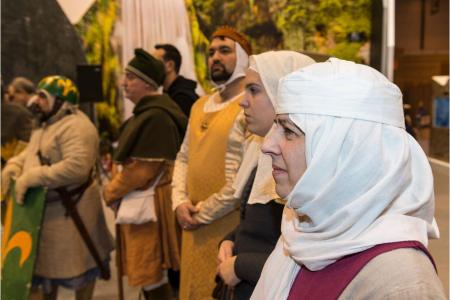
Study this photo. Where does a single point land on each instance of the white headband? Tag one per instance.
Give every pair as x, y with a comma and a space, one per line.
342, 89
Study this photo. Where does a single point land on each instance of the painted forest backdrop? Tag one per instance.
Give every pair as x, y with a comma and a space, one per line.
338, 28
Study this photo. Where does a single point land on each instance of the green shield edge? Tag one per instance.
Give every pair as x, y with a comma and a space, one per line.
19, 243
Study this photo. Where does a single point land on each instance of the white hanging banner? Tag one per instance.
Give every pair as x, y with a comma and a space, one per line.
75, 9
147, 23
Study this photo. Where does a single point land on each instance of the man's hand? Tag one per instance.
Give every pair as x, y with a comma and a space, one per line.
194, 225
21, 189
185, 212
10, 171
30, 178
225, 251
226, 272
106, 198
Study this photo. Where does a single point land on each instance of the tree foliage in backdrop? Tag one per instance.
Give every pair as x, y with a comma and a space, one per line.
96, 30
200, 43
319, 26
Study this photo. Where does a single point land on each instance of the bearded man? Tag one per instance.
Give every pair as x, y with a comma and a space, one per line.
207, 164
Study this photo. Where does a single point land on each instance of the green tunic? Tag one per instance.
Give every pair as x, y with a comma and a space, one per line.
157, 117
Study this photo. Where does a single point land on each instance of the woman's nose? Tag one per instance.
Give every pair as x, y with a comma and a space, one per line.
244, 103
271, 142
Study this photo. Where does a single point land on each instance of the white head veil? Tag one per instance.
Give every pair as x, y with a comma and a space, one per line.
367, 181
271, 66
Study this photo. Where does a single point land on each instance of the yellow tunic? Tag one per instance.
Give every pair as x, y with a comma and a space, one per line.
208, 141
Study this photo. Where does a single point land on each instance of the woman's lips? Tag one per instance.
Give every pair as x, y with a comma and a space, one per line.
277, 171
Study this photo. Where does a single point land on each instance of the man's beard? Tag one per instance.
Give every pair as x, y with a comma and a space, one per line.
44, 116
220, 76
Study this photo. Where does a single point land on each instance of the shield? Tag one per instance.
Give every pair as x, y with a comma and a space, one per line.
20, 241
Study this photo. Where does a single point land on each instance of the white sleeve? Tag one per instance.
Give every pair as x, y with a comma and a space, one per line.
179, 179
223, 202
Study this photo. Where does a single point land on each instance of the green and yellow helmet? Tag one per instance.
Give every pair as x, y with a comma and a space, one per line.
61, 87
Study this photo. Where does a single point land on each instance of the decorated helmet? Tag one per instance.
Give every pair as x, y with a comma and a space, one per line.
61, 87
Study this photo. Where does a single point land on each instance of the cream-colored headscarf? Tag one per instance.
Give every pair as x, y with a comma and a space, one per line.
367, 181
271, 66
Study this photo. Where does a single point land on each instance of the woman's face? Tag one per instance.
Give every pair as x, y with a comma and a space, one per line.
286, 145
258, 109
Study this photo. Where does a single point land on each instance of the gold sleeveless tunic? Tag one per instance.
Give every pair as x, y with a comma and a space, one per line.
208, 141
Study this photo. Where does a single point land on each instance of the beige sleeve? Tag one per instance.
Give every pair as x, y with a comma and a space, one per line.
179, 185
78, 144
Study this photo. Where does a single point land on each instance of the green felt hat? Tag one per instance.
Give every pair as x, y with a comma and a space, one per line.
146, 67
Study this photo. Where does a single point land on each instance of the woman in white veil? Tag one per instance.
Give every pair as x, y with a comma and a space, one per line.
359, 191
244, 250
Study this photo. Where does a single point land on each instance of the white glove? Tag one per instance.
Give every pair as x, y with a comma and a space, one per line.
10, 171
28, 179
21, 189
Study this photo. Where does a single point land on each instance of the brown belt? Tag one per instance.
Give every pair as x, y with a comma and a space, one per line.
53, 195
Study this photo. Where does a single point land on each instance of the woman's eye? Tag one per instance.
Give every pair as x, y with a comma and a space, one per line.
288, 133
253, 90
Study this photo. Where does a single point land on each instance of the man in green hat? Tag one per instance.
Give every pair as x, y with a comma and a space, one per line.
148, 145
61, 155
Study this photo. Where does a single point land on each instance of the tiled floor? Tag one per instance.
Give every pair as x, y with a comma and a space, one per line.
106, 290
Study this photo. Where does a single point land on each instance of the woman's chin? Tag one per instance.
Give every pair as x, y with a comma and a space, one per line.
282, 190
